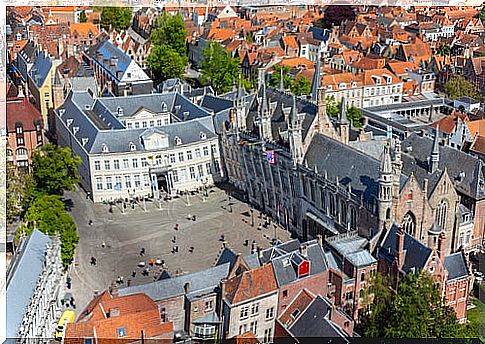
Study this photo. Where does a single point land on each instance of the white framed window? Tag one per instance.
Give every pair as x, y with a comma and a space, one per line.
126, 163
208, 168
128, 182
269, 313
97, 165
267, 335
135, 162
99, 183
192, 172
118, 183
181, 156
200, 169
116, 164
244, 313
109, 183
197, 153
255, 309
107, 165
137, 180
253, 327
159, 122
206, 151
146, 180
144, 162
243, 328
175, 176
144, 124
172, 158
189, 155
209, 305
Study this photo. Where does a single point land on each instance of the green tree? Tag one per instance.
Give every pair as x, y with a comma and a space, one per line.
333, 108
219, 69
247, 84
444, 50
301, 85
166, 63
82, 17
458, 87
482, 14
19, 185
377, 300
415, 310
54, 169
354, 115
116, 18
275, 77
47, 214
170, 30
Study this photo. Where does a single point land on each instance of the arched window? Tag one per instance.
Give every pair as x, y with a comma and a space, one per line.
21, 151
409, 223
104, 148
410, 195
441, 212
164, 107
343, 212
353, 218
323, 201
333, 208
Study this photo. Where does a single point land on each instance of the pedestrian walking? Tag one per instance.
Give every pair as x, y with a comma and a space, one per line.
191, 249
174, 239
142, 251
103, 244
128, 283
90, 222
176, 227
133, 274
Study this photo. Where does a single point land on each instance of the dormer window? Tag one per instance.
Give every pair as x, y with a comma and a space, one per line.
377, 80
354, 84
202, 136
178, 141
132, 146
329, 87
342, 85
104, 148
119, 110
61, 112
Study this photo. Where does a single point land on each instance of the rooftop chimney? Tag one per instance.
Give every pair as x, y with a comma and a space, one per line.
303, 250
441, 246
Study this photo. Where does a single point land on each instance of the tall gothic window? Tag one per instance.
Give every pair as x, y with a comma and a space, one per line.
333, 207
343, 212
441, 212
353, 218
323, 201
409, 223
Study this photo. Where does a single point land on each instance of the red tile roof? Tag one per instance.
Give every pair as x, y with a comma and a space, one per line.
290, 42
479, 145
448, 124
250, 284
300, 303
106, 314
21, 110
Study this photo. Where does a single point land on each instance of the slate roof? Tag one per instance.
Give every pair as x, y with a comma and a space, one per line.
455, 161
227, 256
97, 121
286, 273
200, 281
23, 277
456, 266
314, 323
416, 254
361, 170
40, 70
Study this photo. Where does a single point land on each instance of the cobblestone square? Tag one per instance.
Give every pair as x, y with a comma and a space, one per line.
124, 234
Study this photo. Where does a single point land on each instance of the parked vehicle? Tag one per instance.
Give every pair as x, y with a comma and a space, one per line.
67, 317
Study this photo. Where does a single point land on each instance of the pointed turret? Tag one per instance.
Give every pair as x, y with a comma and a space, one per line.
265, 117
295, 134
316, 80
385, 189
435, 154
343, 124
281, 86
294, 113
343, 117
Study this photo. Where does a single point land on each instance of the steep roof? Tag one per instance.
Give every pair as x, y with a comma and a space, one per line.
456, 266
416, 254
26, 270
250, 284
21, 110
122, 317
40, 70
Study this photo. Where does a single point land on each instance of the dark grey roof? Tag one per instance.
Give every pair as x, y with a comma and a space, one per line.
314, 323
279, 250
227, 256
349, 165
22, 280
416, 161
319, 33
252, 261
209, 318
215, 103
202, 281
109, 51
40, 70
286, 272
416, 254
456, 266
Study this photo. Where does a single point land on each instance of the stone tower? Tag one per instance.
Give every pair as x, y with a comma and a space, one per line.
435, 154
396, 172
343, 124
265, 117
385, 190
295, 134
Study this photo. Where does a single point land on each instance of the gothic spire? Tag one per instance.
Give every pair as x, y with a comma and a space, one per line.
386, 164
281, 86
294, 113
435, 154
343, 117
264, 101
316, 79
240, 92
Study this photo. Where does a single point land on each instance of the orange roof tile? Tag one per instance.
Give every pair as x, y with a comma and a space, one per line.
300, 303
369, 80
83, 29
399, 67
297, 62
448, 124
336, 79
290, 41
477, 127
251, 284
221, 34
479, 145
369, 63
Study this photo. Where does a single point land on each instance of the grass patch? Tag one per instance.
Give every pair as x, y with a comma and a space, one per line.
475, 318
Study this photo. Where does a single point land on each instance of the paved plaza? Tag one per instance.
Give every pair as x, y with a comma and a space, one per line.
124, 234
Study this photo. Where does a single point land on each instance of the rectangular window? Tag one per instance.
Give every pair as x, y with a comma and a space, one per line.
144, 162
192, 172
109, 183
253, 327
129, 125
152, 123
189, 155
135, 163
206, 150
175, 176
159, 122
126, 163
213, 149
208, 167
137, 180
267, 335
144, 124
181, 156
107, 165
255, 309
99, 183
97, 165
243, 328
137, 125
20, 141
172, 158
118, 183
201, 170
146, 180
269, 313
244, 313
166, 121
116, 164
197, 153
128, 182
209, 305
216, 166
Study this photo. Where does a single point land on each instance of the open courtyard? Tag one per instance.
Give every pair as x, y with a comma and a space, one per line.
151, 226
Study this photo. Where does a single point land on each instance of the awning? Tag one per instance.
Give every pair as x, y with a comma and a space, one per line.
321, 222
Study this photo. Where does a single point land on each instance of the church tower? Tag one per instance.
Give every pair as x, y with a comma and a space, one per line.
396, 172
295, 135
435, 154
343, 124
385, 190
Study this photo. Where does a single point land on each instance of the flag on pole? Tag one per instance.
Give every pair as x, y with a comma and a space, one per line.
270, 156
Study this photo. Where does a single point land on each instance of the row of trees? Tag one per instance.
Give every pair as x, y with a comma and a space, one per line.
39, 196
415, 310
